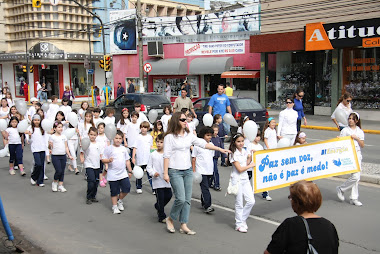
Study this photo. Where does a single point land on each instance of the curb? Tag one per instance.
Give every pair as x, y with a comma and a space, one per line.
335, 129
364, 178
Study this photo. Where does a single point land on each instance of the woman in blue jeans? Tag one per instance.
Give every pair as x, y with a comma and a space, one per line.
177, 169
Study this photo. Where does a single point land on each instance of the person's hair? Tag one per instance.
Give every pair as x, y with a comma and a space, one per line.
10, 110
74, 110
206, 130
160, 137
305, 197
216, 117
120, 133
297, 139
97, 110
298, 91
4, 99
168, 107
228, 83
215, 126
56, 124
155, 126
290, 99
134, 113
13, 118
53, 97
65, 100
174, 126
221, 86
67, 87
101, 123
183, 88
266, 125
167, 82
233, 142
83, 102
137, 104
258, 133
122, 118
91, 121
110, 111
356, 118
43, 114
243, 119
34, 126
344, 96
184, 110
93, 129
38, 104
9, 93
130, 79
119, 83
145, 124
60, 113
189, 114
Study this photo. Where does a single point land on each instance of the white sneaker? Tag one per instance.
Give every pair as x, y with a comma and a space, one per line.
61, 188
356, 202
54, 186
139, 191
339, 193
268, 198
241, 229
41, 185
46, 178
115, 210
12, 172
120, 205
32, 181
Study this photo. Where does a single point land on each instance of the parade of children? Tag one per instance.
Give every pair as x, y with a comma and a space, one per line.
174, 152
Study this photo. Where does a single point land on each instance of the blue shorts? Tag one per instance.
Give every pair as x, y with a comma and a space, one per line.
123, 184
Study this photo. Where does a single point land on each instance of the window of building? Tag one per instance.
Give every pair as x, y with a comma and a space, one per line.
20, 78
80, 84
159, 85
47, 16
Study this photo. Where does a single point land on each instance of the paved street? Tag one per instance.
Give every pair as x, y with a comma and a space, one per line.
63, 223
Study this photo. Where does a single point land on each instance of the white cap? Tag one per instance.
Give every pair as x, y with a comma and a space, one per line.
33, 99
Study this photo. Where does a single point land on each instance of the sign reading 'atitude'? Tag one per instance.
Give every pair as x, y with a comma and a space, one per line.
319, 36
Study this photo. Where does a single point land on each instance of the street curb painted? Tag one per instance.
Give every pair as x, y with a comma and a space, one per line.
335, 129
364, 178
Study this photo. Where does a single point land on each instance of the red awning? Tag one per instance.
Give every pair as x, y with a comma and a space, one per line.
241, 74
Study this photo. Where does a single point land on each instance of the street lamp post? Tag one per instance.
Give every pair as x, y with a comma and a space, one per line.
140, 45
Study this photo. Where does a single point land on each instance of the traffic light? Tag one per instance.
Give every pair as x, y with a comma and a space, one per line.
101, 63
31, 69
24, 68
36, 3
107, 63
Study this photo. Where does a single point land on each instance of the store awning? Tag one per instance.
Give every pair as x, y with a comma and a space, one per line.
241, 74
210, 65
173, 66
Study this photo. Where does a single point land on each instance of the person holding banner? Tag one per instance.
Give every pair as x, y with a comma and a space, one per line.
291, 237
287, 124
354, 130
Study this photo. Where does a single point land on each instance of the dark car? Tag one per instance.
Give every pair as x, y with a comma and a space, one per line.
148, 101
239, 107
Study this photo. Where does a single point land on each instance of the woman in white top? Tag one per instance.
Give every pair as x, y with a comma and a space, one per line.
177, 169
287, 124
344, 104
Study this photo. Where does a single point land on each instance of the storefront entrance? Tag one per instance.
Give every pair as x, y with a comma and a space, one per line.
49, 76
211, 83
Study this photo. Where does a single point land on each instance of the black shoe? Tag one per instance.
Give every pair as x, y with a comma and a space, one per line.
209, 210
218, 189
88, 202
94, 200
211, 186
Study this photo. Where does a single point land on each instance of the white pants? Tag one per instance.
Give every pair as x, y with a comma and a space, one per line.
353, 181
73, 147
242, 211
291, 137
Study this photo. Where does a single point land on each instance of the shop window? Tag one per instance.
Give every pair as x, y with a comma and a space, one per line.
159, 85
80, 82
361, 77
20, 78
136, 82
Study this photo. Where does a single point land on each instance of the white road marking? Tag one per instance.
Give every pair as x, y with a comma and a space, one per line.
233, 211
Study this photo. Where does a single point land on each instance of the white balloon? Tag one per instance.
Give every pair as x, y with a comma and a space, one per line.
22, 126
196, 122
3, 125
250, 130
341, 116
284, 142
47, 124
85, 143
108, 121
45, 107
197, 178
99, 122
69, 132
230, 120
22, 109
208, 120
138, 172
4, 151
152, 115
73, 119
110, 131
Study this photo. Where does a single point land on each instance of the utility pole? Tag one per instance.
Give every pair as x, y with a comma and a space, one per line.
140, 45
27, 61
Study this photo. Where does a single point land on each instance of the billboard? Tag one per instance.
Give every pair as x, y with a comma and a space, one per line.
123, 36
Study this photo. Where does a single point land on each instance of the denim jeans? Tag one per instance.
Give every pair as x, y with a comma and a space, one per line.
206, 195
227, 127
215, 177
16, 154
92, 182
59, 162
182, 185
38, 170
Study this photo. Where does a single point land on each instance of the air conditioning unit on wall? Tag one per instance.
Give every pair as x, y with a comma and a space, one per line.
155, 49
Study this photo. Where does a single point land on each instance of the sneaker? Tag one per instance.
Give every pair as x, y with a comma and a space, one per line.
88, 202
162, 221
102, 184
16, 167
32, 181
12, 172
61, 188
41, 185
218, 189
139, 191
115, 210
241, 229
54, 186
94, 200
153, 192
356, 202
104, 180
339, 193
268, 198
22, 172
120, 205
46, 178
209, 210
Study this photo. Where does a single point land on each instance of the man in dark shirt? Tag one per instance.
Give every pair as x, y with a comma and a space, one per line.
187, 88
120, 90
131, 86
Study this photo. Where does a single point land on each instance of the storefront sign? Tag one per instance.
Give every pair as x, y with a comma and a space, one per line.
371, 42
279, 168
214, 48
46, 51
319, 36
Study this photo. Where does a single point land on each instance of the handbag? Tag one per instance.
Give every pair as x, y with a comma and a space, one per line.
233, 189
310, 247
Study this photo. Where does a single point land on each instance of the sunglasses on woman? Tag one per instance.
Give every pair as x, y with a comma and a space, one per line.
289, 102
182, 120
301, 96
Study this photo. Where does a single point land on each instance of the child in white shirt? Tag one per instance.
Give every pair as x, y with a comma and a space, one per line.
110, 119
270, 135
65, 108
53, 108
117, 158
141, 152
166, 117
104, 142
155, 168
96, 115
190, 123
133, 130
203, 163
123, 123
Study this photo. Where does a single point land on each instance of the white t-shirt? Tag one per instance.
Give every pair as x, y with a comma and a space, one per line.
347, 131
59, 144
348, 110
10, 102
96, 121
133, 130
37, 140
271, 135
81, 113
92, 156
14, 136
102, 141
165, 121
142, 118
287, 123
240, 157
156, 165
123, 127
254, 147
4, 113
83, 131
143, 145
52, 111
109, 120
116, 168
191, 126
31, 111
204, 162
66, 110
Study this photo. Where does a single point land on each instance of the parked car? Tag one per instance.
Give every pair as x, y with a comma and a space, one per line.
239, 107
148, 101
